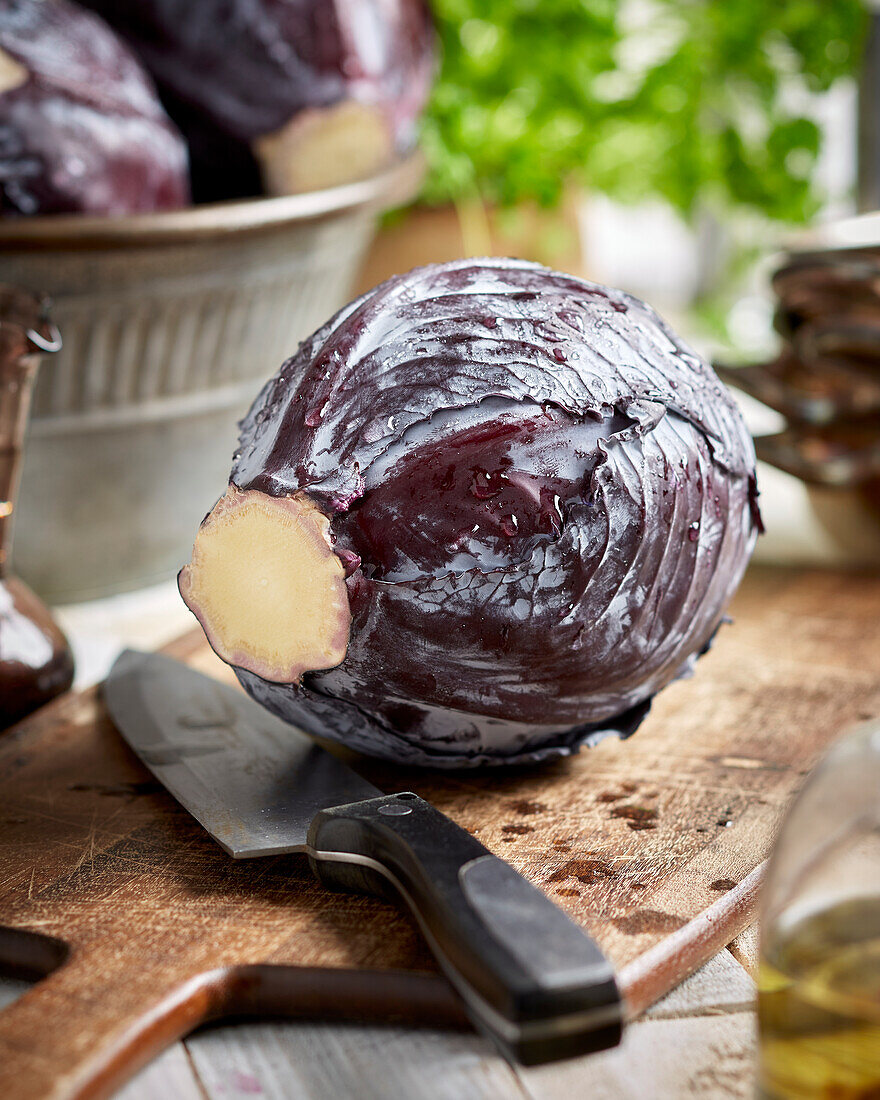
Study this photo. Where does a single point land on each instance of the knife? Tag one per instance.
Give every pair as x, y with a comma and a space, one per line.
529, 977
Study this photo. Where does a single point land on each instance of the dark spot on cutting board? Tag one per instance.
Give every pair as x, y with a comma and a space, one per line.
584, 870
722, 885
561, 846
637, 817
517, 830
647, 920
639, 886
629, 786
568, 892
525, 807
610, 796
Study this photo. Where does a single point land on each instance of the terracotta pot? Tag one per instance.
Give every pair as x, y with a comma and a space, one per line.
426, 234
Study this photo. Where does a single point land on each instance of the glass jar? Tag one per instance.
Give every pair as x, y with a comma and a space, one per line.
819, 977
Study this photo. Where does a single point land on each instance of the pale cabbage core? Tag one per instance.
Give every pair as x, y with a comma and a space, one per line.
267, 587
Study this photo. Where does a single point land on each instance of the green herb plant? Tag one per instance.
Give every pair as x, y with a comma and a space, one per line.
690, 101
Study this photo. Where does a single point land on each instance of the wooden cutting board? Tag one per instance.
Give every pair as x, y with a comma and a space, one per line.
653, 845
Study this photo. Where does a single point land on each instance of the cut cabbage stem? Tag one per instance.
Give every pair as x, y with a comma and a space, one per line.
324, 147
267, 587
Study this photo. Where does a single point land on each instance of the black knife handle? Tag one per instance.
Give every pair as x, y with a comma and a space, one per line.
530, 978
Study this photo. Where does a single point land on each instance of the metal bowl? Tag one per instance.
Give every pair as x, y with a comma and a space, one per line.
171, 322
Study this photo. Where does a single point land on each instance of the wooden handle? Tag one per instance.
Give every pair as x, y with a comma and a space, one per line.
83, 1031
92, 1023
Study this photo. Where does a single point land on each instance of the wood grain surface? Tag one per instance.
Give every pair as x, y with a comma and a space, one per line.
651, 844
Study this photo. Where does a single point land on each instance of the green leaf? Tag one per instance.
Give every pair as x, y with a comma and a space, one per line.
678, 98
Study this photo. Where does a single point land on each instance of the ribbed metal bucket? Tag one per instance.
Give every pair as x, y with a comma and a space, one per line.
171, 323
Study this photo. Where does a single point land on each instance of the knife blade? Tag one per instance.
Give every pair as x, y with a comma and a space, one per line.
530, 978
251, 780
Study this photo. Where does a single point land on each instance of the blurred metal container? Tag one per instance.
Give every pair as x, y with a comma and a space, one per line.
171, 323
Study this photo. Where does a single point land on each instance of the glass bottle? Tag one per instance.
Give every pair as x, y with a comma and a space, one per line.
819, 978
35, 660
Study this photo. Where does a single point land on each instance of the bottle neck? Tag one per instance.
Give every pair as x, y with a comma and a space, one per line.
17, 373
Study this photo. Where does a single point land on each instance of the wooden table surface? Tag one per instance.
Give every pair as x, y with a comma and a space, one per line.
699, 1041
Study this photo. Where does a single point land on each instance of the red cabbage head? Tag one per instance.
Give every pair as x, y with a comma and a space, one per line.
482, 516
81, 128
284, 95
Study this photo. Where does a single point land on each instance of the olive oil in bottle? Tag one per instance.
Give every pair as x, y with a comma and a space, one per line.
819, 1005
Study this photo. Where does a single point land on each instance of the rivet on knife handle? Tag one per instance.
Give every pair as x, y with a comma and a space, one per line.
530, 978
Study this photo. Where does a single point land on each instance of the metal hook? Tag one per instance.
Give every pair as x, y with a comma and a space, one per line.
41, 343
